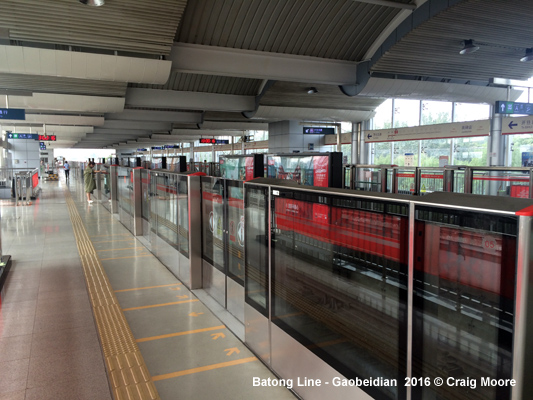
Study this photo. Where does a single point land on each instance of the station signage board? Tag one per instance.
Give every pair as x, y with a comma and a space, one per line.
318, 131
513, 107
172, 146
142, 150
437, 131
517, 126
48, 138
42, 146
11, 135
12, 113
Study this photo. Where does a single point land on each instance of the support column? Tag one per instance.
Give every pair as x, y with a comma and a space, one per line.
356, 137
213, 154
288, 137
232, 145
364, 149
243, 150
339, 142
191, 151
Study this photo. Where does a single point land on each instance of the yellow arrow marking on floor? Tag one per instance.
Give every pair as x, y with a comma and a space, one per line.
183, 296
195, 314
175, 288
218, 335
232, 350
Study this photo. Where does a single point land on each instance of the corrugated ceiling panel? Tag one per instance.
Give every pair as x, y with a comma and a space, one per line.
341, 29
48, 84
208, 84
502, 31
122, 25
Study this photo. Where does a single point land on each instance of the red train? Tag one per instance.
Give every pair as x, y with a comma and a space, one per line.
456, 260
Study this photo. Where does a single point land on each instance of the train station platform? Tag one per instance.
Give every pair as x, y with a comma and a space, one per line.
87, 312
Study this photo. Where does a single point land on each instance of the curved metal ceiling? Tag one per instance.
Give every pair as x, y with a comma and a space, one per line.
501, 28
340, 29
121, 25
207, 84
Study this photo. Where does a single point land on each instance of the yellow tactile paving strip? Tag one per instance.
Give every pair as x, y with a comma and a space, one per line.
127, 371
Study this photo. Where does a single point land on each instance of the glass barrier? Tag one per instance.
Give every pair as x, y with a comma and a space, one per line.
124, 187
106, 182
183, 214
213, 221
256, 242
464, 291
339, 276
235, 215
368, 177
348, 172
145, 194
164, 208
405, 181
431, 180
501, 182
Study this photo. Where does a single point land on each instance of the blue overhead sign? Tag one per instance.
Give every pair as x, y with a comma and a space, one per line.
12, 113
11, 135
512, 107
318, 131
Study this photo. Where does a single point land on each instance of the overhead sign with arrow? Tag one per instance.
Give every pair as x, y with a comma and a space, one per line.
517, 126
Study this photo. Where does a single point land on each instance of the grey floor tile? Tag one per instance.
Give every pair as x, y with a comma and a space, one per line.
67, 320
18, 395
14, 375
15, 347
95, 389
48, 344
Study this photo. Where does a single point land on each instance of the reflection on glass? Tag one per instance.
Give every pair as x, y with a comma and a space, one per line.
164, 205
339, 270
183, 215
145, 200
368, 179
235, 202
106, 181
256, 244
125, 185
213, 221
463, 302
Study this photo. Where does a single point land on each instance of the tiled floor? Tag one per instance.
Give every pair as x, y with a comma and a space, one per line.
49, 347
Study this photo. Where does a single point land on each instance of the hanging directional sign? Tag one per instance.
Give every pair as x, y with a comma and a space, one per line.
11, 135
12, 113
517, 126
42, 146
214, 141
512, 107
142, 150
172, 146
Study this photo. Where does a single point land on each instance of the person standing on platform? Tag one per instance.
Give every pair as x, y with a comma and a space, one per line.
67, 169
88, 180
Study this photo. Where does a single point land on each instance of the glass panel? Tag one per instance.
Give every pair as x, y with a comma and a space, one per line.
256, 243
235, 204
406, 181
470, 112
382, 153
436, 112
305, 170
521, 150
464, 280
166, 209
368, 179
123, 182
183, 202
501, 183
213, 222
145, 195
339, 283
383, 117
106, 181
432, 150
406, 113
405, 153
431, 180
470, 151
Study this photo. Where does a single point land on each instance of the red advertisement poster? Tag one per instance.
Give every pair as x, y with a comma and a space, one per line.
249, 164
520, 191
321, 171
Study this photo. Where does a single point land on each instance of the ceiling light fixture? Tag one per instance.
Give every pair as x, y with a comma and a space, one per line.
528, 56
311, 90
95, 3
468, 47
